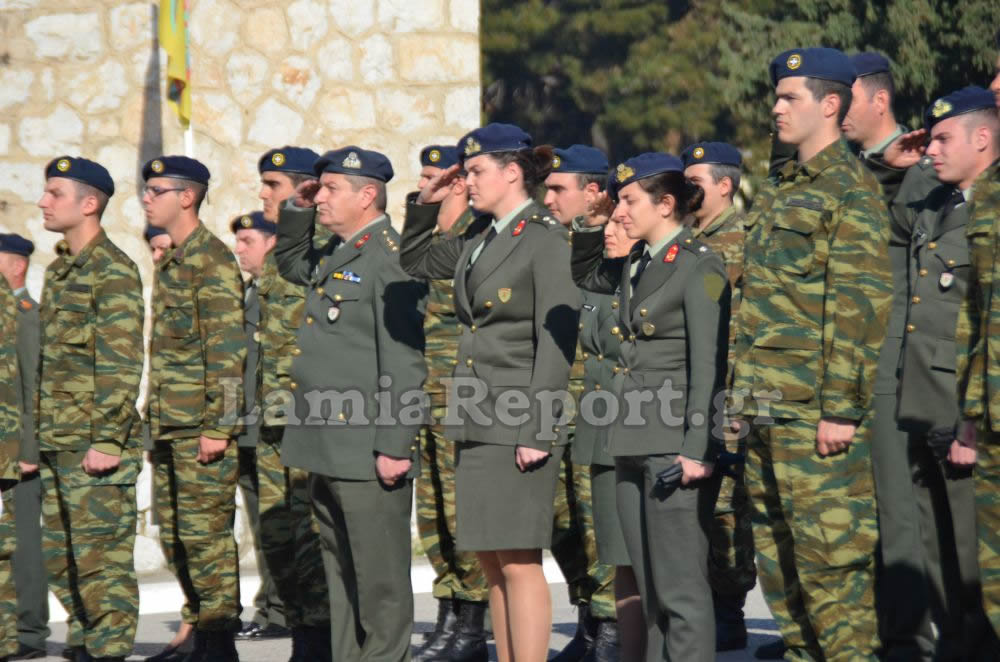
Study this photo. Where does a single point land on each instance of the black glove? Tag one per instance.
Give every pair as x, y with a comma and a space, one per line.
670, 477
939, 440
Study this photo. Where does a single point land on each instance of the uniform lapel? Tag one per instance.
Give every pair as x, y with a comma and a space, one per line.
660, 269
958, 217
492, 256
462, 298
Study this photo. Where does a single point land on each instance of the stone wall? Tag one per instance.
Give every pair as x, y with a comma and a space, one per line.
85, 77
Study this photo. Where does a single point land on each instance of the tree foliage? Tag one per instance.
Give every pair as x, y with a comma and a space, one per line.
632, 76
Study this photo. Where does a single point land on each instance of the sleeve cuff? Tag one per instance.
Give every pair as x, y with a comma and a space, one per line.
218, 435
107, 447
400, 449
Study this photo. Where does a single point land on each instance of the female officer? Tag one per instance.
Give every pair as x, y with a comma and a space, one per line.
673, 321
598, 318
519, 308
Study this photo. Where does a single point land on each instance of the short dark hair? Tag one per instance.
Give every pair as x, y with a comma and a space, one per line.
535, 163
358, 182
197, 188
84, 190
722, 170
687, 195
585, 179
821, 88
881, 81
985, 116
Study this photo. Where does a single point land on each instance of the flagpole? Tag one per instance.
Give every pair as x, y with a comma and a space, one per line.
189, 141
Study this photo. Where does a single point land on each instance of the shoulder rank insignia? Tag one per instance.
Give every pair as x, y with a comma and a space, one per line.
519, 228
352, 161
671, 253
361, 242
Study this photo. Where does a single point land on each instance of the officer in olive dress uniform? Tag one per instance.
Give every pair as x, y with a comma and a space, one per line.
674, 315
357, 388
933, 230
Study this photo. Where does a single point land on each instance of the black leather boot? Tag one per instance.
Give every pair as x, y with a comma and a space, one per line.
605, 648
582, 641
82, 655
213, 647
774, 650
318, 645
469, 642
444, 630
730, 627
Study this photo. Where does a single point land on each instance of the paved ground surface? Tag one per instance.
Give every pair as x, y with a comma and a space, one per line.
157, 628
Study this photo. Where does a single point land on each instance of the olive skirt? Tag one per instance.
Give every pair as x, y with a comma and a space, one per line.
497, 506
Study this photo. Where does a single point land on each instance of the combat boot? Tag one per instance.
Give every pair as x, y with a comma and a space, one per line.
300, 646
582, 641
469, 642
730, 626
772, 651
444, 630
213, 647
605, 648
311, 644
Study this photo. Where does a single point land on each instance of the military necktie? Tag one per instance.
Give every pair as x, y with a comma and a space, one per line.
640, 267
490, 236
953, 201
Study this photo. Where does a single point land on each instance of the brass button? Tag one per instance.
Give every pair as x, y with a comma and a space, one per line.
923, 272
296, 351
322, 260
319, 291
309, 319
631, 338
337, 297
341, 416
488, 304
910, 328
454, 361
615, 330
468, 362
932, 245
600, 357
951, 263
625, 370
614, 305
292, 385
621, 337
915, 299
451, 296
615, 370
413, 448
581, 326
643, 312
472, 328
586, 355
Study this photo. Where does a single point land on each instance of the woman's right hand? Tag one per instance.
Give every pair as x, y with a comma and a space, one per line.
438, 186
527, 458
599, 211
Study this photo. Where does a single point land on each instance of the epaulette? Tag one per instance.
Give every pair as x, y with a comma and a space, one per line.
695, 246
546, 220
388, 242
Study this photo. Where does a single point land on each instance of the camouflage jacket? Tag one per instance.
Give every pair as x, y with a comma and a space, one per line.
10, 399
725, 236
198, 347
91, 318
442, 329
816, 291
978, 344
281, 310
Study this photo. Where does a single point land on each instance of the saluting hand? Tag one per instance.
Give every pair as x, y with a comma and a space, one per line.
599, 211
834, 435
305, 194
438, 186
906, 150
210, 450
694, 470
96, 463
391, 470
527, 458
963, 450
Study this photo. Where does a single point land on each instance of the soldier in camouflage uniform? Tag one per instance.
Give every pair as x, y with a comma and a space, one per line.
85, 416
10, 440
979, 375
459, 583
715, 167
816, 294
197, 355
30, 575
578, 176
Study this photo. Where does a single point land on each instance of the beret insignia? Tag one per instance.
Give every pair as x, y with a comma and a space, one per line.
278, 159
246, 222
434, 156
940, 108
472, 147
352, 161
63, 165
794, 61
698, 152
623, 172
156, 166
556, 162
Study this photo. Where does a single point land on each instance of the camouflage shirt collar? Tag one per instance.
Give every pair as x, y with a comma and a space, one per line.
267, 275
69, 261
717, 223
834, 153
461, 225
193, 241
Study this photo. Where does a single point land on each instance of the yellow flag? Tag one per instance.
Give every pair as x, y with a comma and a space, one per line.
174, 39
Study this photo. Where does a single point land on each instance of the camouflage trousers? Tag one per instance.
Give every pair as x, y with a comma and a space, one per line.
731, 569
987, 480
815, 531
8, 597
457, 575
574, 544
88, 542
195, 504
289, 536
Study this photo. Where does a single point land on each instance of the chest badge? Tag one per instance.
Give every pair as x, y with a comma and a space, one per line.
519, 228
672, 253
504, 294
648, 328
946, 280
333, 314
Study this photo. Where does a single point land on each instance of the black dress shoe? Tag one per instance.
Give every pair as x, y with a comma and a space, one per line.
69, 653
28, 653
269, 631
774, 650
